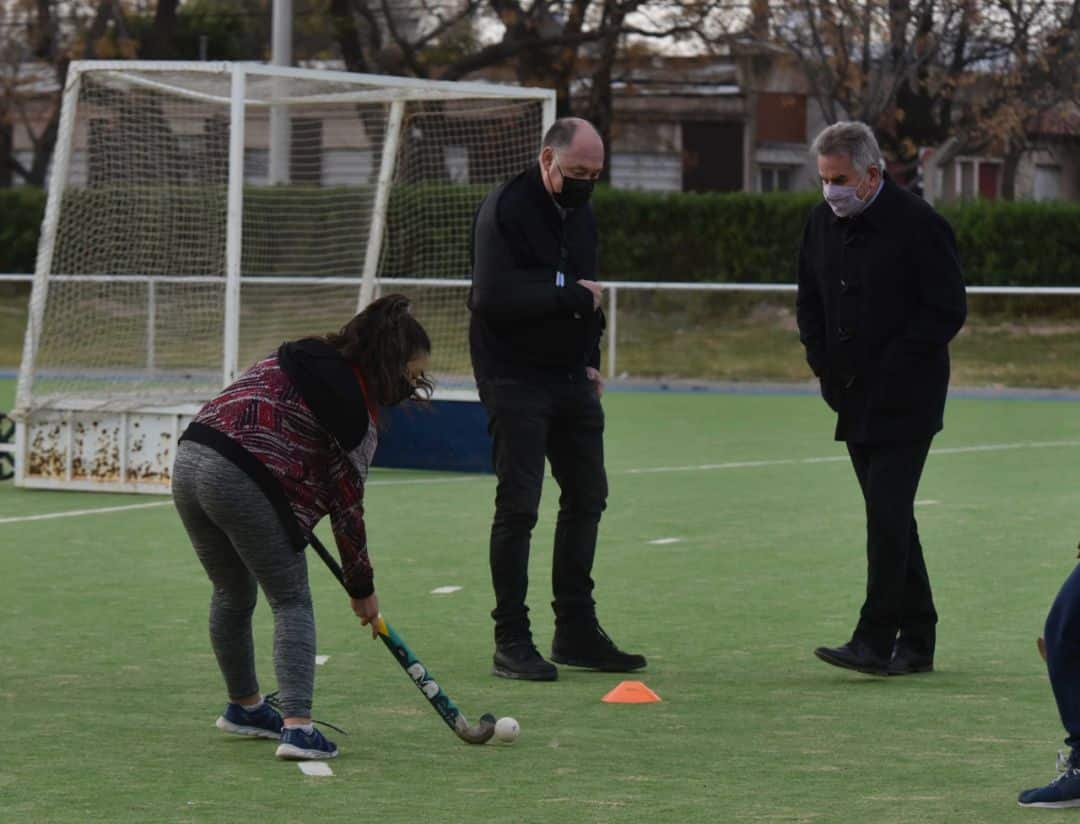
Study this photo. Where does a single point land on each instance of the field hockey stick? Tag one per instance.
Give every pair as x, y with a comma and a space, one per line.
478, 733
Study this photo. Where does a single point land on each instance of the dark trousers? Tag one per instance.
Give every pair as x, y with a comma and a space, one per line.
563, 422
898, 596
1062, 635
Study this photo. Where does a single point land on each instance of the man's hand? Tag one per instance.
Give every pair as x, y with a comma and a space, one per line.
367, 609
594, 375
597, 290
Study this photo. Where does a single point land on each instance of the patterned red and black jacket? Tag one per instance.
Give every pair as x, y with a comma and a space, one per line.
299, 424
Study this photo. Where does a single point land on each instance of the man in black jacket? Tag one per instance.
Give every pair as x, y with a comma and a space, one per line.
534, 336
880, 297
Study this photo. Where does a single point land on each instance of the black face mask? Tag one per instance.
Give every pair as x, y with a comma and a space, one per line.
576, 191
403, 390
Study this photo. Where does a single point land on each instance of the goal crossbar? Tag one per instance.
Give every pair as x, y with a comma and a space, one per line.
443, 89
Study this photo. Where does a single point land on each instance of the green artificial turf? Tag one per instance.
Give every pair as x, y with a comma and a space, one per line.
109, 689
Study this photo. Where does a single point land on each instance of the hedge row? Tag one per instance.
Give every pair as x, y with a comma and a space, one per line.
755, 238
20, 218
675, 237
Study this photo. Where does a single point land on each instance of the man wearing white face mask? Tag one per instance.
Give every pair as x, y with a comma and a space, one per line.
880, 295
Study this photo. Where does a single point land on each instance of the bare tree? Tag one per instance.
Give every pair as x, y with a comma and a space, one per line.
159, 43
38, 41
923, 71
557, 44
39, 38
1038, 73
33, 41
857, 55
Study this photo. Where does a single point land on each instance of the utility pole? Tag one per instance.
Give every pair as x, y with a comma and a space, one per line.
280, 55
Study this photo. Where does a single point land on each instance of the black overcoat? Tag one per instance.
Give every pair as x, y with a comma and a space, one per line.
530, 318
880, 296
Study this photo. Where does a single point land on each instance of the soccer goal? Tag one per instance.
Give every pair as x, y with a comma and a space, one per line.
199, 214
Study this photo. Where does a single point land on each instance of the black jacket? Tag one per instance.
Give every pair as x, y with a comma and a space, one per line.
880, 297
528, 322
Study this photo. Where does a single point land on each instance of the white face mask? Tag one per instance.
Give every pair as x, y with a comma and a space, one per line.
842, 199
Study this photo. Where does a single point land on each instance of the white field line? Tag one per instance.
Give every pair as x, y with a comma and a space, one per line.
954, 450
72, 513
448, 479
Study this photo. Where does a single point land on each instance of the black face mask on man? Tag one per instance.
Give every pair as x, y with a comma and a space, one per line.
576, 191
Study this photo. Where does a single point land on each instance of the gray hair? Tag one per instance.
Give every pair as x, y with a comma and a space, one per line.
851, 138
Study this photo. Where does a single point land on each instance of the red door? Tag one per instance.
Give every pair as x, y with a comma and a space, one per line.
989, 174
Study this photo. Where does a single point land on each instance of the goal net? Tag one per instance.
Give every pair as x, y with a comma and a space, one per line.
199, 214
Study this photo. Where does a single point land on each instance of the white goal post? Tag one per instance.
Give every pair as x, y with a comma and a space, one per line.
174, 252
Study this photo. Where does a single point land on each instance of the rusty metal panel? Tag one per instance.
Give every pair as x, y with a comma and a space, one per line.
96, 449
151, 447
47, 446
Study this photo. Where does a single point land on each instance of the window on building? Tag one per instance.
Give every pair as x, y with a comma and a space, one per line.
774, 178
257, 166
305, 150
978, 177
1047, 182
646, 171
457, 163
966, 175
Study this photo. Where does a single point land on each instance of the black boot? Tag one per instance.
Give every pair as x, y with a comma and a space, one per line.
590, 647
521, 660
854, 655
909, 657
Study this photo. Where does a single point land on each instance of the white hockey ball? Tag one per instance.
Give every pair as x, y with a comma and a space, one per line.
507, 729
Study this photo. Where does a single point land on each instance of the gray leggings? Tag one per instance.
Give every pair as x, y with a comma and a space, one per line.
241, 543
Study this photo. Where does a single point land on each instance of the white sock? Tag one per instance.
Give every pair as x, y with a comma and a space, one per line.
308, 728
252, 707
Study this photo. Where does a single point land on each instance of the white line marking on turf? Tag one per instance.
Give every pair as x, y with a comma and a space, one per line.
450, 479
996, 447
659, 541
71, 513
445, 590
927, 503
953, 450
315, 768
733, 465
321, 659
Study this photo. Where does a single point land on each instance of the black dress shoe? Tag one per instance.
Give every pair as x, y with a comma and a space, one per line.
905, 661
522, 661
590, 647
854, 655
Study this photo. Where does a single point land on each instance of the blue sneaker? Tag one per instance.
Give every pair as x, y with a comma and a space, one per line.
297, 745
1063, 791
262, 722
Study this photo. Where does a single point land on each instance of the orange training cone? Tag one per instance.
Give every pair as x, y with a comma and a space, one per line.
631, 692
